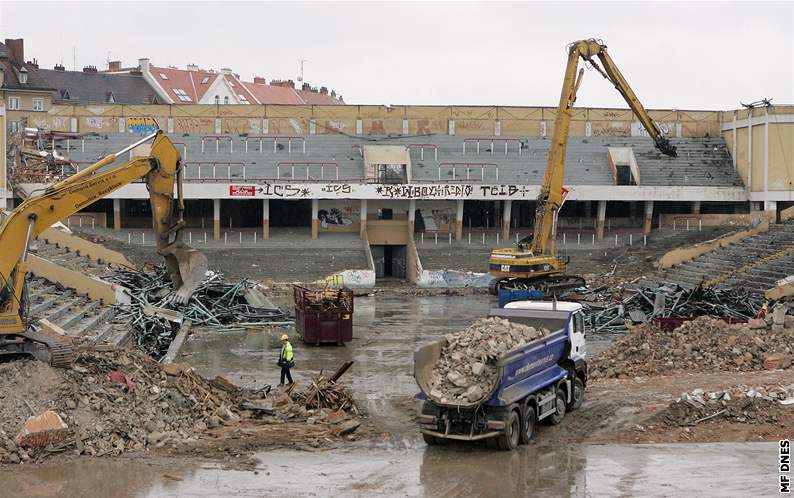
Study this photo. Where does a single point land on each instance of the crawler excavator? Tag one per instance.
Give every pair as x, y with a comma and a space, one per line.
533, 262
161, 168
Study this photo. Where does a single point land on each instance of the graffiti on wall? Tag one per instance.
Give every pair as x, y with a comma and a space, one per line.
333, 216
389, 192
142, 126
350, 278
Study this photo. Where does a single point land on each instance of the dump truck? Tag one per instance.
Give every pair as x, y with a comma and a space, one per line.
541, 380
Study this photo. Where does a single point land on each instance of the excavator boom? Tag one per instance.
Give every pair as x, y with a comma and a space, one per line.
161, 168
538, 261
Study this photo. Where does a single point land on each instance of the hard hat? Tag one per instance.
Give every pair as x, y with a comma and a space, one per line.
284, 337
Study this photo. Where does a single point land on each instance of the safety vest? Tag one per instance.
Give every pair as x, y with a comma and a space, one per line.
286, 352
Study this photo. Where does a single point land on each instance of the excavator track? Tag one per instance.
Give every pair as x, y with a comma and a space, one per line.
549, 285
59, 353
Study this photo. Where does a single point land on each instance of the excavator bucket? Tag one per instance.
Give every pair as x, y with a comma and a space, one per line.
186, 267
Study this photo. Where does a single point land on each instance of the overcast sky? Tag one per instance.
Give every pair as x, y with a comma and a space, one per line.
687, 55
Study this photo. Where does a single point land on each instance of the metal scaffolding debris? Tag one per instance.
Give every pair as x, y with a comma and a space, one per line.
155, 317
669, 302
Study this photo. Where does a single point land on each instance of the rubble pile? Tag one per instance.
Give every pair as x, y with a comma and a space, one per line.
114, 402
742, 404
155, 317
466, 371
705, 344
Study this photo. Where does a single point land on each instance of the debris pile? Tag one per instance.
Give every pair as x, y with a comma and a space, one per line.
742, 404
705, 344
610, 313
466, 371
155, 317
115, 402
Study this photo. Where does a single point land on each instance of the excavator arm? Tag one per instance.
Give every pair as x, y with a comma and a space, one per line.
162, 170
550, 198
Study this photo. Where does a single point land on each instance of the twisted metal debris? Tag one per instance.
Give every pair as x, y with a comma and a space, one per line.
670, 301
215, 303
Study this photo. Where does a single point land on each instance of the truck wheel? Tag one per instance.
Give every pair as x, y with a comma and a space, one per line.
529, 425
577, 386
556, 418
508, 440
430, 440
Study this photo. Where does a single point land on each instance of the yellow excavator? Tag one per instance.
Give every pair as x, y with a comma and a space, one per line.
533, 262
161, 167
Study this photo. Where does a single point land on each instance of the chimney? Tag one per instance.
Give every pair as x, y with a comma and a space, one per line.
259, 80
16, 50
192, 67
226, 70
323, 90
90, 69
143, 64
59, 67
34, 64
136, 72
291, 83
333, 93
114, 65
306, 86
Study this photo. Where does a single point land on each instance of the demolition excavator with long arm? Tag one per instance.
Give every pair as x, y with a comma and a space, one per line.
161, 168
533, 262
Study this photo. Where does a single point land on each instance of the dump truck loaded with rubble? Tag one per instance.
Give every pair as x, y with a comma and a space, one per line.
494, 380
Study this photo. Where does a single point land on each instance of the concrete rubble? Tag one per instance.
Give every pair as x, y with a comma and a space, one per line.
116, 402
738, 404
466, 371
705, 344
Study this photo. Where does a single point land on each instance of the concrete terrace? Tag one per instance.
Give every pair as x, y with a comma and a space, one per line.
701, 161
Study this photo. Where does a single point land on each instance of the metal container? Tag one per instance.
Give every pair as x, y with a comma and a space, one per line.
324, 316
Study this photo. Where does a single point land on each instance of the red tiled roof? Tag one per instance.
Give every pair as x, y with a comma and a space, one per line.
271, 94
317, 98
189, 82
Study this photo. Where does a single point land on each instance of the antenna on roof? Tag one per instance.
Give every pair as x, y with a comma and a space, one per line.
302, 61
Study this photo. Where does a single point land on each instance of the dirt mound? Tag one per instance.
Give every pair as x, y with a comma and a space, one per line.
705, 344
739, 404
466, 370
114, 402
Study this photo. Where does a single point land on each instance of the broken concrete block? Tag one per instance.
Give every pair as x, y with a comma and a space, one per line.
477, 368
474, 393
42, 430
775, 361
457, 379
174, 369
756, 323
349, 427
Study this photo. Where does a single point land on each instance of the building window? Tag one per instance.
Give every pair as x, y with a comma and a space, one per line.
163, 76
243, 99
14, 104
204, 80
182, 95
14, 126
390, 173
38, 104
217, 100
226, 99
23, 76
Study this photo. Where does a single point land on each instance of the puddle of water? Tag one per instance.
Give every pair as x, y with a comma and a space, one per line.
746, 469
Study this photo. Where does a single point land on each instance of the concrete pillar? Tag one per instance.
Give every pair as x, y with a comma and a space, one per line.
588, 211
770, 206
116, 215
506, 213
459, 221
265, 219
315, 219
695, 207
216, 219
411, 217
646, 227
602, 215
363, 217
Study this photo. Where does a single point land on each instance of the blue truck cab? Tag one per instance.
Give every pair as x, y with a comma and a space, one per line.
539, 381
